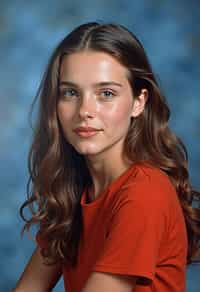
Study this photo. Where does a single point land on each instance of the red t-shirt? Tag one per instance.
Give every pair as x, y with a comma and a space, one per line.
135, 227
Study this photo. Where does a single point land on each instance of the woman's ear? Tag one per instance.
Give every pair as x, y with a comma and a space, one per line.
139, 103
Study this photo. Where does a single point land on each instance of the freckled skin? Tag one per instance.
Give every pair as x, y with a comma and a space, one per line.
92, 106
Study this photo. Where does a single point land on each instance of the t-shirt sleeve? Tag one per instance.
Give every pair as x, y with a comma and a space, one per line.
134, 235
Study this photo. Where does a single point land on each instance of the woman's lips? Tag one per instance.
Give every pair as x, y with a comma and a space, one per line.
86, 132
86, 128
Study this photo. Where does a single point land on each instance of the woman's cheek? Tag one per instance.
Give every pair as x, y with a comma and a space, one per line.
117, 115
65, 114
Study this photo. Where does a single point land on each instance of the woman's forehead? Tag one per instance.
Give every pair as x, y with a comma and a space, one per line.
96, 66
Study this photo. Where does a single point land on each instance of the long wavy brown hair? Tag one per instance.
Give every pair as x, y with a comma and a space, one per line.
59, 174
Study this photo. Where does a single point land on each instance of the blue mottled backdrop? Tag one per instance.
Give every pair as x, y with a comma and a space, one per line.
29, 30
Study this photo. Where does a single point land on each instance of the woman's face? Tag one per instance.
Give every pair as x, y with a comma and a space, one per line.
94, 92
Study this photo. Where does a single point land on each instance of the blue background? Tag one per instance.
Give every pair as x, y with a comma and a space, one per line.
29, 31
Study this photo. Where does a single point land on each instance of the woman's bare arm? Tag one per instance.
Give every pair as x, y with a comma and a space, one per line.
38, 277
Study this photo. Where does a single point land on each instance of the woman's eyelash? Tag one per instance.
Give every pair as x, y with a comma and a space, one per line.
109, 93
68, 92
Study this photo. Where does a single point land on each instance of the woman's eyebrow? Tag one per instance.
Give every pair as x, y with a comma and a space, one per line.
98, 84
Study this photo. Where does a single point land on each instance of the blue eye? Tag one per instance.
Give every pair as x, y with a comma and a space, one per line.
107, 93
69, 92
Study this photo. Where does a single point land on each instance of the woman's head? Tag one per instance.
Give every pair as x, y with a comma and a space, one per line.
94, 92
97, 43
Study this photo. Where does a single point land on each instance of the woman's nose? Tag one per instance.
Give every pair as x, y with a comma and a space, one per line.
87, 107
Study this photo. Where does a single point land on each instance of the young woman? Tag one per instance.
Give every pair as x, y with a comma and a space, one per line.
109, 178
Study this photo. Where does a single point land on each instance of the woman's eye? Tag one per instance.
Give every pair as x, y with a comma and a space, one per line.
68, 92
107, 93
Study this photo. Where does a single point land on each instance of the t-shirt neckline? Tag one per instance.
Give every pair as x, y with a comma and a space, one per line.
115, 184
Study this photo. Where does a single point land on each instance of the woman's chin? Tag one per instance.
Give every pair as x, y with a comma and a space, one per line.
87, 151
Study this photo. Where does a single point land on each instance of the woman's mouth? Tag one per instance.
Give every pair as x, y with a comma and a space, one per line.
86, 134
86, 131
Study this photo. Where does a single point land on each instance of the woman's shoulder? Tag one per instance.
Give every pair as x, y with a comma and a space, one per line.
150, 182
